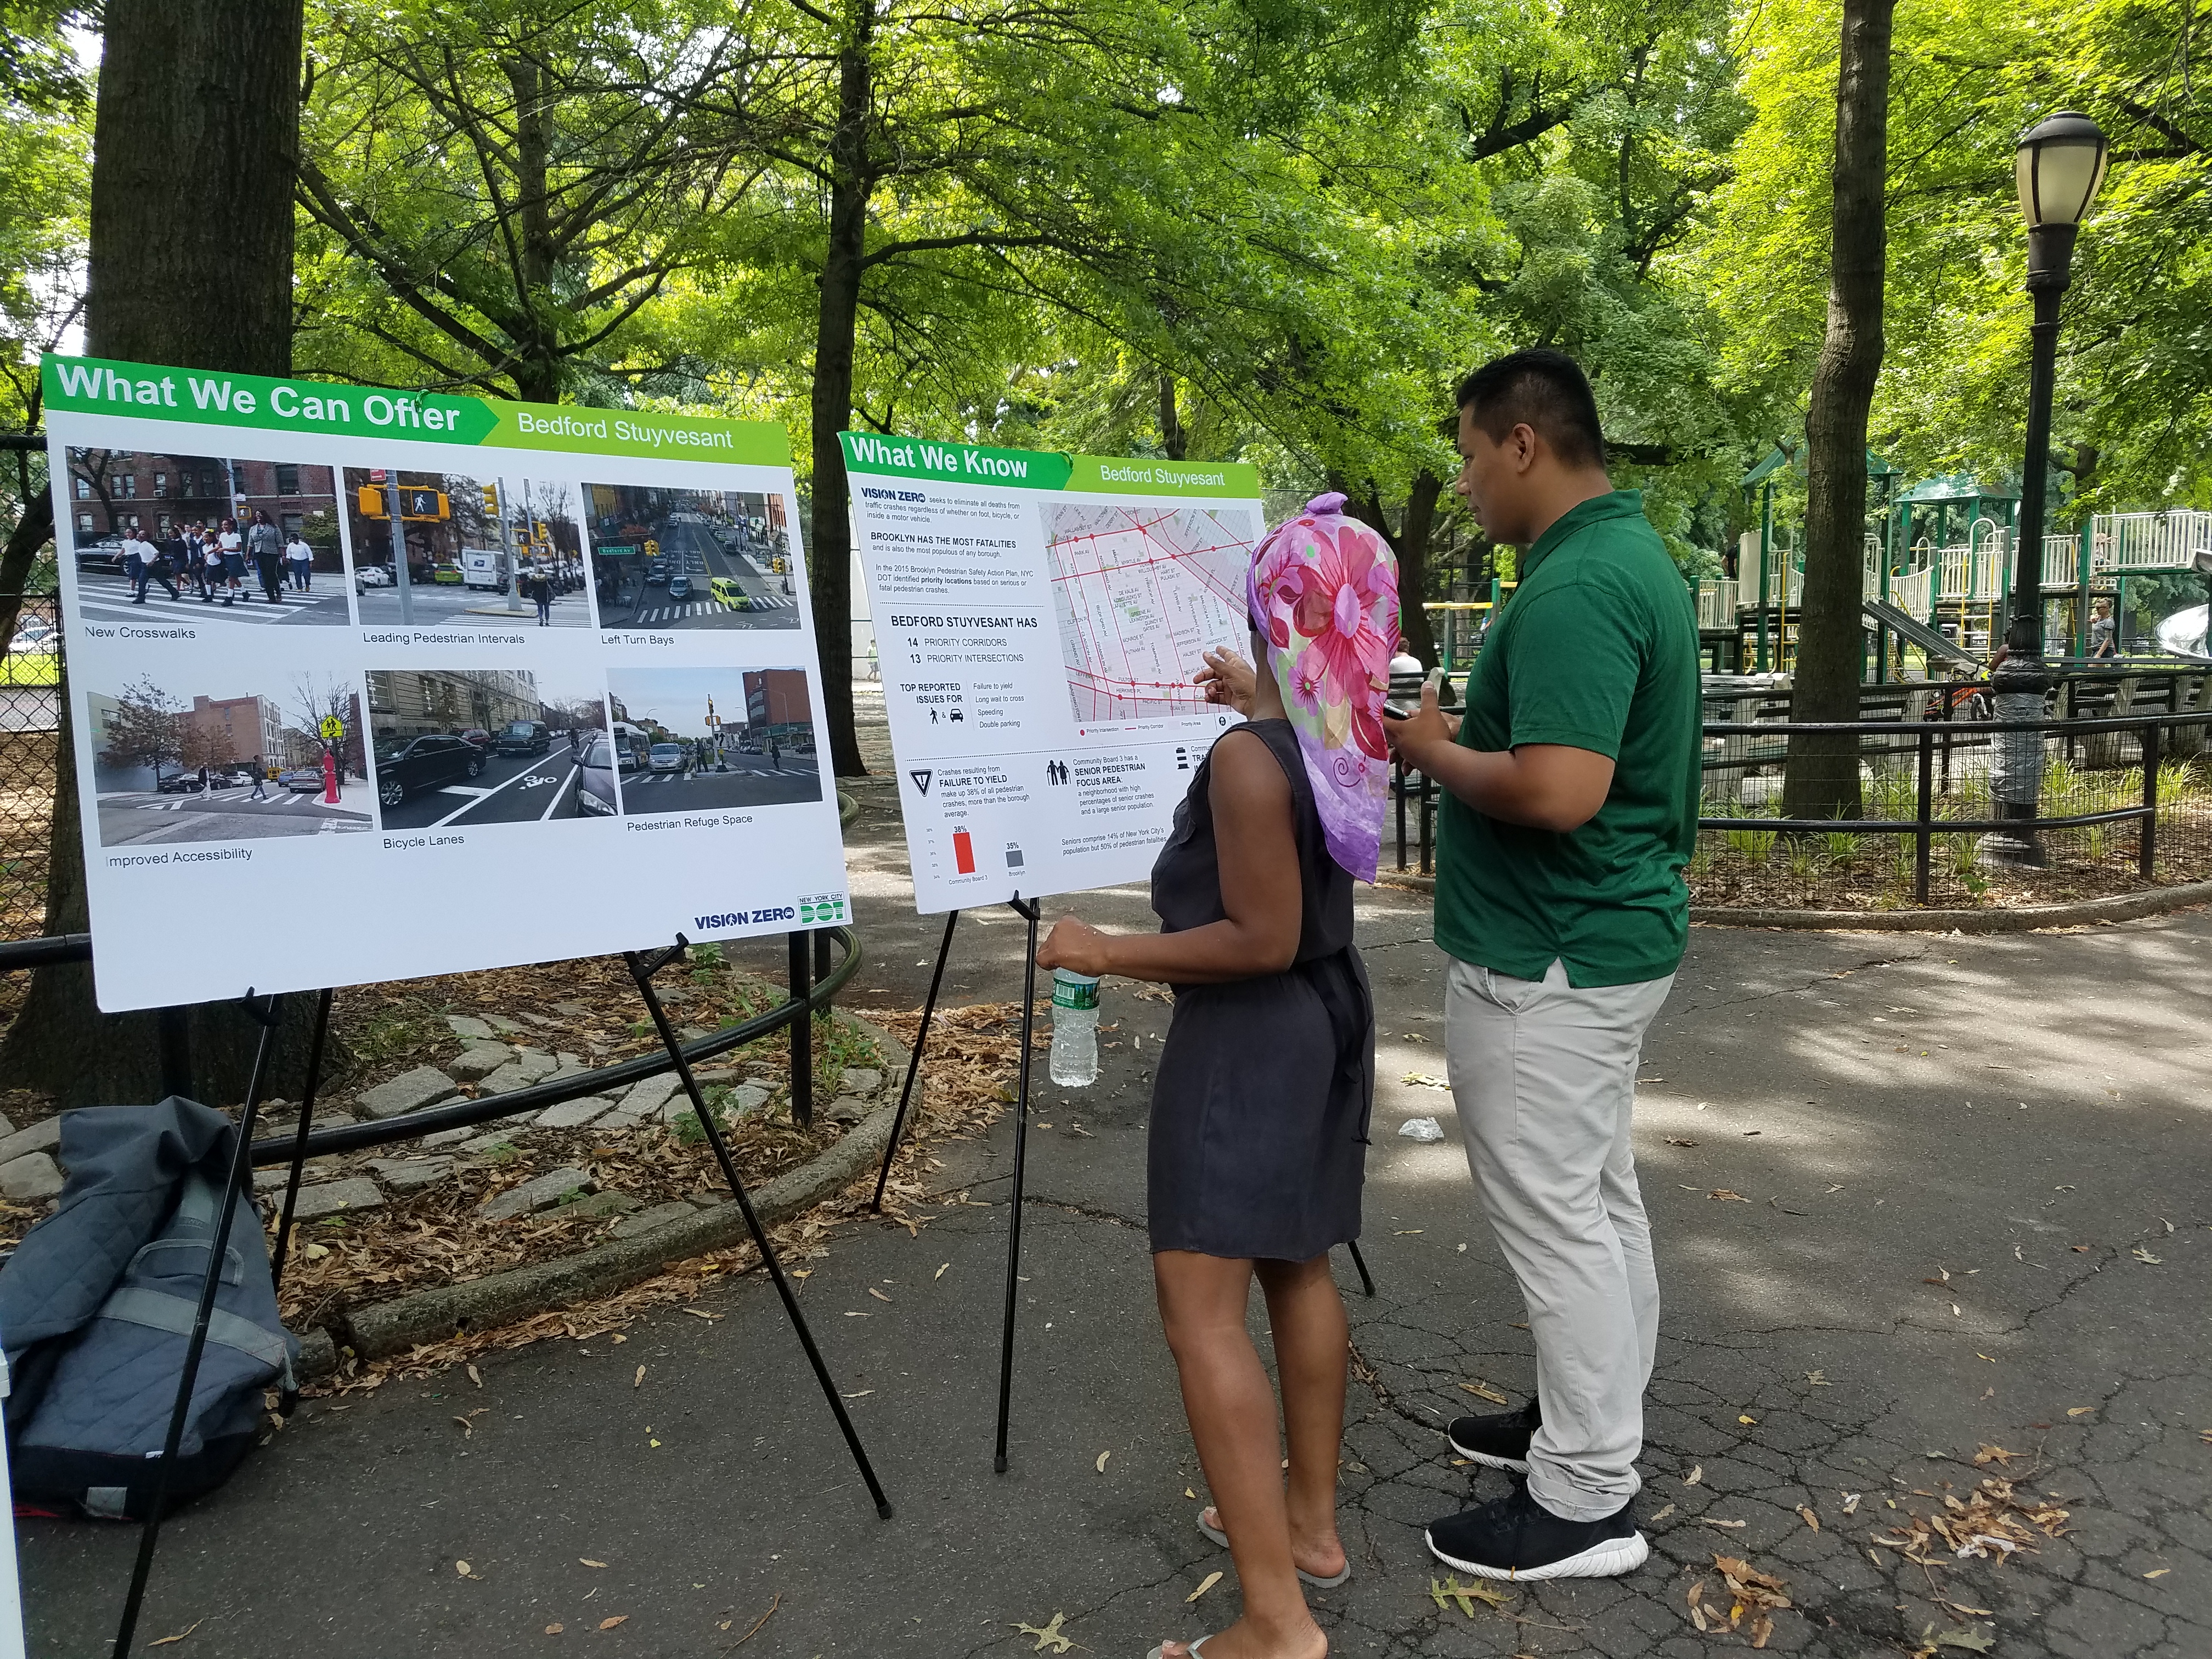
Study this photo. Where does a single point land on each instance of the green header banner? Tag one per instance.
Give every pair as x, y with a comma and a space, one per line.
95, 385
1043, 469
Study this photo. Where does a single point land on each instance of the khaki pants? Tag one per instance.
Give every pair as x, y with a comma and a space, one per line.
1544, 1077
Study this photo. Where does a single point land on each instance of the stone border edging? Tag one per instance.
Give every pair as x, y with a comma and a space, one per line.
436, 1312
2020, 919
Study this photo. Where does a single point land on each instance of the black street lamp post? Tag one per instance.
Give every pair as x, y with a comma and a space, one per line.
2058, 166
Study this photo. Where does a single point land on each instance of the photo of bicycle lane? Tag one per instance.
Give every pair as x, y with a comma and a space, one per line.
511, 789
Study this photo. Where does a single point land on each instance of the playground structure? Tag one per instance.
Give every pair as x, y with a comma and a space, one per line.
1937, 577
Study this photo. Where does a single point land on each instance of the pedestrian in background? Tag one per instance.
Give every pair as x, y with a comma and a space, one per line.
143, 565
266, 547
302, 558
260, 773
541, 590
195, 540
1570, 808
1260, 1104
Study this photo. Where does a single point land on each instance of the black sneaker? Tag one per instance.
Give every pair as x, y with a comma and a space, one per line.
1499, 1440
1516, 1537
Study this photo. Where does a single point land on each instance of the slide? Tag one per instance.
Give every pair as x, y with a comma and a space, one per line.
1930, 640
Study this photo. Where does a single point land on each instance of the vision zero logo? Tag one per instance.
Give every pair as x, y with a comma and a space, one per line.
814, 909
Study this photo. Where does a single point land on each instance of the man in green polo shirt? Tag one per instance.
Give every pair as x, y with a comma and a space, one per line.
1570, 807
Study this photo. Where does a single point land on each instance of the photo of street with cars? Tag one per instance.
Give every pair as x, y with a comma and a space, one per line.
204, 539
690, 558
175, 764
479, 746
694, 739
480, 551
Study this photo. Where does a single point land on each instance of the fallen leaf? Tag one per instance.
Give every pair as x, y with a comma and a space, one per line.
701, 1313
1997, 1455
617, 1337
163, 1642
1761, 1628
588, 1562
1817, 1379
554, 1629
940, 1273
609, 1623
1972, 1640
2160, 1573
1851, 1503
1805, 1513
1047, 1633
877, 1294
1749, 1422
1679, 1141
1103, 1456
1203, 1585
465, 1570
638, 1381
1187, 1493
1422, 1080
2079, 1411
1728, 1192
1484, 1391
478, 1380
1694, 1476
1465, 1595
1661, 1515
466, 1430
1732, 1526
2142, 1255
1409, 1233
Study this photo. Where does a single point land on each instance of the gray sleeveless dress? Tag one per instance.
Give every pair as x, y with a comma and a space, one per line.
1259, 1111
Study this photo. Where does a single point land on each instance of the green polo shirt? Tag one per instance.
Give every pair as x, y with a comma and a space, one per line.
1596, 650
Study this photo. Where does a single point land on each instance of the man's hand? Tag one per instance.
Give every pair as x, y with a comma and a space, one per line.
1422, 732
1227, 679
1075, 945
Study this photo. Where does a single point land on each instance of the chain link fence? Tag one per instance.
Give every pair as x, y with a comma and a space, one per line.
30, 727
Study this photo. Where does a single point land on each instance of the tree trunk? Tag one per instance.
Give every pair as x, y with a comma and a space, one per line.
1173, 438
1411, 545
830, 578
538, 368
33, 531
1821, 780
196, 143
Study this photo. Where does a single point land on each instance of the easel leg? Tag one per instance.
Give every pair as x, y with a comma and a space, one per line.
642, 968
1366, 1279
242, 1173
913, 1059
802, 1034
1030, 912
300, 1140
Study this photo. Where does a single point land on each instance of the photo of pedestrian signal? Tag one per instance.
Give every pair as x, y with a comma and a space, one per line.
200, 539
480, 552
176, 762
470, 747
690, 558
694, 739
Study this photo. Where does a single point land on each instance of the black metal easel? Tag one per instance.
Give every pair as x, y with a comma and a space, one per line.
1028, 912
642, 968
241, 1172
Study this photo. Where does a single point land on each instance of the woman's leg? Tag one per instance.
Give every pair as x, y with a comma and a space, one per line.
1232, 1418
1312, 1350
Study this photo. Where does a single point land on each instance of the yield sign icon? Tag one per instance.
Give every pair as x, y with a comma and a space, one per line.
921, 775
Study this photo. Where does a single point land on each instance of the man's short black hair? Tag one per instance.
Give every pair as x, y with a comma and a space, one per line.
1545, 389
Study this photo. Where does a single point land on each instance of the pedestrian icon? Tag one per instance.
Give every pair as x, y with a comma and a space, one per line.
1055, 772
921, 775
332, 728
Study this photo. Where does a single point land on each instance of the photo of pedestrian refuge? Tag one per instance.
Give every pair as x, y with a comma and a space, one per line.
474, 746
202, 539
180, 762
479, 551
690, 558
695, 739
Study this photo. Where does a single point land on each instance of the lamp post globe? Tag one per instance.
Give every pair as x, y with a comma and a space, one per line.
2057, 167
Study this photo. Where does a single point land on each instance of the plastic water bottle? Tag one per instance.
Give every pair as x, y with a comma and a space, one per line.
1074, 1028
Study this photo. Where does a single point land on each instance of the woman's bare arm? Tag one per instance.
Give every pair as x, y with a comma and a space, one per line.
1260, 889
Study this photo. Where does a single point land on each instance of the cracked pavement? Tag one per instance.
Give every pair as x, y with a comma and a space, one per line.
2025, 1114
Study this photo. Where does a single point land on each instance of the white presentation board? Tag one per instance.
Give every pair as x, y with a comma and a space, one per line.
543, 686
1039, 617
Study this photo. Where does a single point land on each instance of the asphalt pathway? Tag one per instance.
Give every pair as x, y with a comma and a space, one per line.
750, 781
1826, 1124
511, 789
132, 817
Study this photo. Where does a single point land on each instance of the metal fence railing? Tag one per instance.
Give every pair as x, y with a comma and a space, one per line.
30, 726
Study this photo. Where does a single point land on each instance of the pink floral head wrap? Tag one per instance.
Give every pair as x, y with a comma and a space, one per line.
1324, 593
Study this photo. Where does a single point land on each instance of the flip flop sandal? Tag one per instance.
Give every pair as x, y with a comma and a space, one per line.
1160, 1652
1315, 1579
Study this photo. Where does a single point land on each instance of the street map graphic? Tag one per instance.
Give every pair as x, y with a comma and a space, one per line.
1141, 593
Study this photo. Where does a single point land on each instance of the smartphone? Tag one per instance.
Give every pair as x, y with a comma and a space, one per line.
1392, 711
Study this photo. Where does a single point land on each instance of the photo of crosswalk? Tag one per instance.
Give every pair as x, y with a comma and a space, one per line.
667, 616
108, 601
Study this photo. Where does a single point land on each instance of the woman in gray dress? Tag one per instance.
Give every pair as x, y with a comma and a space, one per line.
1260, 1109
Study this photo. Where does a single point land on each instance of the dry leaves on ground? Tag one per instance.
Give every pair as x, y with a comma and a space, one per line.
1748, 1592
1990, 1522
1050, 1632
1467, 1596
